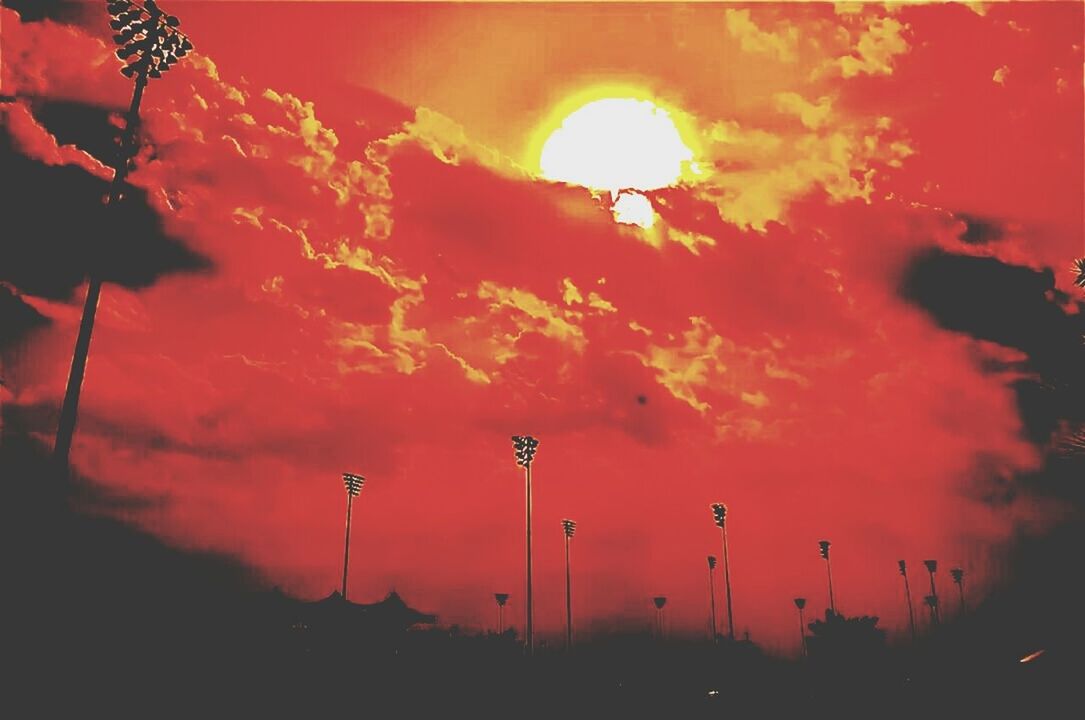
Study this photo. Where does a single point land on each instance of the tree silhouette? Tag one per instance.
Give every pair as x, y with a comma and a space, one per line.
839, 638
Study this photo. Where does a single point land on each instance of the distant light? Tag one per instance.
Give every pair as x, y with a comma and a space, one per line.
1031, 656
713, 692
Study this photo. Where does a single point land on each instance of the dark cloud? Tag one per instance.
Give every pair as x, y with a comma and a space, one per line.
1018, 307
16, 318
57, 230
35, 10
979, 231
88, 127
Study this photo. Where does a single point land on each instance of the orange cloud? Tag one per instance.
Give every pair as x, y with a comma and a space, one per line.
781, 45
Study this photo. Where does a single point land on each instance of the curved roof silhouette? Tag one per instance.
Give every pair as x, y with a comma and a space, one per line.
391, 613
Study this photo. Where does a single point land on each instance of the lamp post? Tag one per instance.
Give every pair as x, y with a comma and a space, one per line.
353, 484
525, 448
501, 599
712, 594
800, 603
932, 599
569, 527
824, 545
150, 43
907, 596
719, 515
958, 579
659, 602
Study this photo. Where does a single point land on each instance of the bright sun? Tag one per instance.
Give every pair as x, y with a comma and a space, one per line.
621, 145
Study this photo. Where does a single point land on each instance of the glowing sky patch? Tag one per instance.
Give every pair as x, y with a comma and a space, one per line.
633, 209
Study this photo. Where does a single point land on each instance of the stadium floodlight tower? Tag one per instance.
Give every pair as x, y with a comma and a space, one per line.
932, 599
958, 579
501, 599
660, 602
353, 484
907, 596
569, 529
800, 603
719, 516
712, 595
823, 548
150, 44
525, 447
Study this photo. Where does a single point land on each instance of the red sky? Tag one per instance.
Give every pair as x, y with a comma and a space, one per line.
394, 293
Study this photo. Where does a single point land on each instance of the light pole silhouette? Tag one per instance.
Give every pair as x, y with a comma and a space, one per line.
800, 603
932, 599
932, 603
659, 602
958, 579
525, 448
824, 548
353, 484
712, 594
569, 527
719, 515
907, 596
501, 599
150, 44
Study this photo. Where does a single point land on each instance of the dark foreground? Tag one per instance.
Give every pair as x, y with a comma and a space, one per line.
100, 620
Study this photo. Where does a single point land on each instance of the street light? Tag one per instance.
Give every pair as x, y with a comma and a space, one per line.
712, 593
719, 515
659, 602
824, 548
353, 484
932, 599
907, 596
569, 527
525, 448
800, 603
150, 44
501, 599
958, 579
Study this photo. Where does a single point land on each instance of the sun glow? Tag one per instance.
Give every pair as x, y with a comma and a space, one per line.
623, 145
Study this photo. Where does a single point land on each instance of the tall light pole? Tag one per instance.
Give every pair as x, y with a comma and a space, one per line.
800, 603
353, 484
501, 599
932, 599
712, 594
719, 515
907, 596
958, 579
823, 546
525, 448
659, 602
151, 44
569, 527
